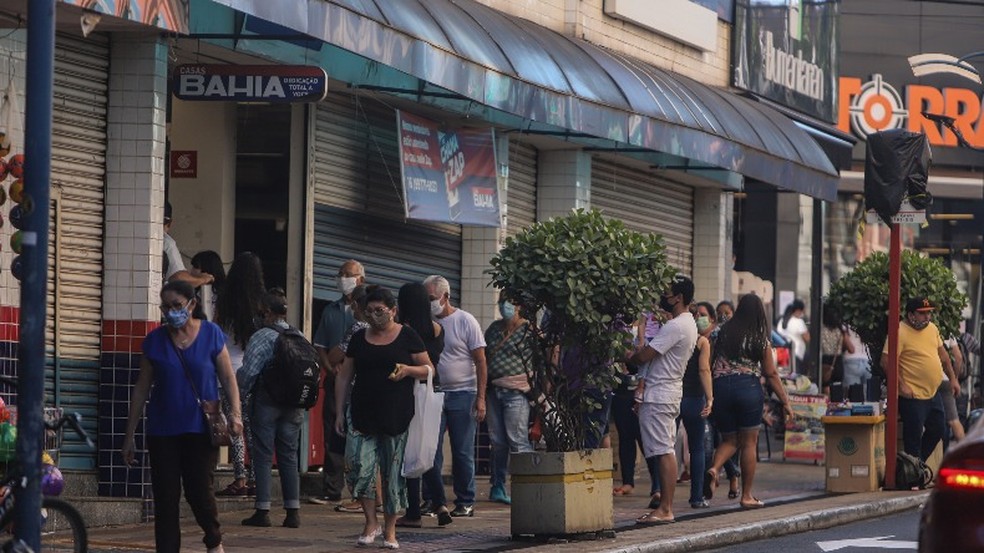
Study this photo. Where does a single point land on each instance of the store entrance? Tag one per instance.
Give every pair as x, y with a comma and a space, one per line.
263, 185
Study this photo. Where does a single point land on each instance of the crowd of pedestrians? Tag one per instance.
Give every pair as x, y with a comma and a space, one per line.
694, 370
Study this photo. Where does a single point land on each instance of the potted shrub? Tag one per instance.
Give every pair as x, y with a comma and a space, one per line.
582, 281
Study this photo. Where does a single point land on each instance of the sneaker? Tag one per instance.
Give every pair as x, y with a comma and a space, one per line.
463, 511
428, 508
251, 489
702, 504
232, 490
259, 518
444, 516
498, 495
353, 506
324, 499
293, 519
216, 549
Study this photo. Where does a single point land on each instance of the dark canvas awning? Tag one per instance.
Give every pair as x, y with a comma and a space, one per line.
520, 68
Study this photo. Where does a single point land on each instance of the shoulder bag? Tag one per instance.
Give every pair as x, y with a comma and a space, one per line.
215, 420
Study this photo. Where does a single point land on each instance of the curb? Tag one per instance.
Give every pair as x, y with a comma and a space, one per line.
773, 528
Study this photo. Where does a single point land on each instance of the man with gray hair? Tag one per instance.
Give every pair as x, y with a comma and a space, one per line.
336, 319
463, 375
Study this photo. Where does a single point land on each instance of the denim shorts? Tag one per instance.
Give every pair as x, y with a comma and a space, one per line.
738, 400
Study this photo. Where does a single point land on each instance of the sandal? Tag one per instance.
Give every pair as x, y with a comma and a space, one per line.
753, 504
404, 522
652, 519
350, 507
734, 490
624, 489
710, 483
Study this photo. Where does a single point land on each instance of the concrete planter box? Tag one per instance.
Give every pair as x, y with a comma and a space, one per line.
561, 493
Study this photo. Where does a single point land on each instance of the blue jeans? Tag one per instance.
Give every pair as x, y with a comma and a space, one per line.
275, 428
459, 421
923, 425
596, 422
508, 419
690, 408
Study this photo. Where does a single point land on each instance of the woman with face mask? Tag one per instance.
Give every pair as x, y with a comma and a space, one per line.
509, 347
182, 361
384, 359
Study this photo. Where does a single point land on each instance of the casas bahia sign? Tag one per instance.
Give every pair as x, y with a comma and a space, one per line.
250, 83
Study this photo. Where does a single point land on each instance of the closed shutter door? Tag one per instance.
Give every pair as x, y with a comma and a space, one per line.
354, 163
646, 203
78, 164
521, 195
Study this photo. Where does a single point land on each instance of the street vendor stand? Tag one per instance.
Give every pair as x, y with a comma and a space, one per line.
855, 453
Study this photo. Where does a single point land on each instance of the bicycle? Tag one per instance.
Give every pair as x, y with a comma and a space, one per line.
62, 527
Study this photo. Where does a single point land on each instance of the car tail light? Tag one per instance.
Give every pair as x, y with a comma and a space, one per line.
958, 478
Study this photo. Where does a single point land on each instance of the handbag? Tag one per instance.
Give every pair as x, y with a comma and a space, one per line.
215, 420
425, 427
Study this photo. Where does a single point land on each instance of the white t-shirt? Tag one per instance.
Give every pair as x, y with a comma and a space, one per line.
794, 331
462, 335
174, 261
674, 344
860, 350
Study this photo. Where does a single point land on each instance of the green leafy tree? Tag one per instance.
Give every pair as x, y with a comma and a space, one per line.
861, 296
582, 280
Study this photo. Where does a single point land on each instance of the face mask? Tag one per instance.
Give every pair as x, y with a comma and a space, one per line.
665, 305
703, 323
436, 307
177, 318
918, 325
347, 284
507, 310
724, 318
379, 321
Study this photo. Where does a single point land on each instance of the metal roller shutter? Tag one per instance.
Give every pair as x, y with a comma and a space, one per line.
647, 203
78, 167
521, 195
354, 164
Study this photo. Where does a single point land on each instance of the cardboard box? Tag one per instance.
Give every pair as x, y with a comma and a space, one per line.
855, 453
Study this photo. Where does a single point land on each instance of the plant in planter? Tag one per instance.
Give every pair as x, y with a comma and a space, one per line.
861, 297
582, 281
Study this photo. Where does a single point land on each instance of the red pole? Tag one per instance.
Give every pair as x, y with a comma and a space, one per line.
892, 371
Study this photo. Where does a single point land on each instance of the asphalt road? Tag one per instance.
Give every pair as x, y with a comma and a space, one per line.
897, 532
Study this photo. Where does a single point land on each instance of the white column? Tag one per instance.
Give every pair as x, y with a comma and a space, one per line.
712, 245
563, 182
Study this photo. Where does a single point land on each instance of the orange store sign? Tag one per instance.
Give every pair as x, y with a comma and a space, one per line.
872, 106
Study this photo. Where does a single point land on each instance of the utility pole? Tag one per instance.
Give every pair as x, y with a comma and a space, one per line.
33, 301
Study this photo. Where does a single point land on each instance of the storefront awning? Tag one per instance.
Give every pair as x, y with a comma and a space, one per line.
513, 65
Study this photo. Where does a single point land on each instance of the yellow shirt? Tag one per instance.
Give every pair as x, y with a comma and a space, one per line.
919, 359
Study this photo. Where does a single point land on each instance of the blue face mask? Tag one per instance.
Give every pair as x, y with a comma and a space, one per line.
177, 318
507, 310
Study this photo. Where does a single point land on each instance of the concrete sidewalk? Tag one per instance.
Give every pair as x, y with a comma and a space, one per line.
793, 493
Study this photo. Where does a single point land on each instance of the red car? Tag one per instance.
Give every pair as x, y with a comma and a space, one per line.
952, 520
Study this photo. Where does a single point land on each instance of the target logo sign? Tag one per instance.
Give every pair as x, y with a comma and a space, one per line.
877, 107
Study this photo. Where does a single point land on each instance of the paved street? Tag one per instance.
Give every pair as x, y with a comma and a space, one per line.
898, 532
793, 492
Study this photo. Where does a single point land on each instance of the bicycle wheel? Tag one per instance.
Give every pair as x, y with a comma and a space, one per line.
62, 528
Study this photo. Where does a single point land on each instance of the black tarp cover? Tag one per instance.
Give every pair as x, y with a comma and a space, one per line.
896, 167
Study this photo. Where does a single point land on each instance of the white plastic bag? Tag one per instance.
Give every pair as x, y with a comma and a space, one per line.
424, 428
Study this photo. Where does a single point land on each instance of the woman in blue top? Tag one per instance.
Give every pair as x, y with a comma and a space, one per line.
186, 351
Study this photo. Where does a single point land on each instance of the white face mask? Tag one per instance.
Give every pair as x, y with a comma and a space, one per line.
347, 284
436, 307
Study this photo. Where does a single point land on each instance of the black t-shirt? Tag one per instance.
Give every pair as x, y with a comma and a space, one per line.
379, 405
691, 378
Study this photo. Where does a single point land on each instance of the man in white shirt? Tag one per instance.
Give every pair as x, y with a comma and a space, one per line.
463, 376
662, 364
173, 265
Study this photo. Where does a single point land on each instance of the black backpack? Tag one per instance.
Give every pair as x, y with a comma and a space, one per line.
911, 472
293, 376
